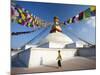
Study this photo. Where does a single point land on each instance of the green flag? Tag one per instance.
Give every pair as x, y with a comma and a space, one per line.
29, 24
69, 20
87, 13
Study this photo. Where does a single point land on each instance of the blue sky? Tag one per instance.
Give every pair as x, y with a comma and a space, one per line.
46, 11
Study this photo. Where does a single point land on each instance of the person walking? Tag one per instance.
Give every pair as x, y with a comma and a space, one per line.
59, 59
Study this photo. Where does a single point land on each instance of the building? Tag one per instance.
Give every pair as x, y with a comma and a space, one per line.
45, 52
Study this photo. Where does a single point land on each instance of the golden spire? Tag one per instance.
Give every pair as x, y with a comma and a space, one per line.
56, 27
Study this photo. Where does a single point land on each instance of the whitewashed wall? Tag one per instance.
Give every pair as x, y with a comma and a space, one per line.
33, 57
48, 55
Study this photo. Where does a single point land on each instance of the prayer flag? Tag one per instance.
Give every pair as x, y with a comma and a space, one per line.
69, 20
87, 13
80, 16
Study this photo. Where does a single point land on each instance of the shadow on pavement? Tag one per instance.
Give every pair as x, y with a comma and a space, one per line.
50, 66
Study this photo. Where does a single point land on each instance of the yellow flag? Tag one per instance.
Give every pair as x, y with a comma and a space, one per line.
20, 10
19, 21
92, 8
23, 16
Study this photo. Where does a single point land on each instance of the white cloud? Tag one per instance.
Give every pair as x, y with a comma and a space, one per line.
84, 30
91, 21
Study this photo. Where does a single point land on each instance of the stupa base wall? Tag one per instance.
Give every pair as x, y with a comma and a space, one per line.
35, 57
39, 56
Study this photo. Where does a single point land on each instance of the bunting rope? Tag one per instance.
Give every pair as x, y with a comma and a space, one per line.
82, 15
19, 33
23, 17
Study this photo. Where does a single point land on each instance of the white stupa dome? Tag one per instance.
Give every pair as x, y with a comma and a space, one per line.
56, 37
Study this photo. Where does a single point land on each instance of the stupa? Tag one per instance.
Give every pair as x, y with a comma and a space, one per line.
46, 51
56, 38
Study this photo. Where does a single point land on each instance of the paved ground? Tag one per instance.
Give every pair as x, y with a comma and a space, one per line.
76, 63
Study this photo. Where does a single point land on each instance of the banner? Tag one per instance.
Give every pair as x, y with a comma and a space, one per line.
23, 17
82, 15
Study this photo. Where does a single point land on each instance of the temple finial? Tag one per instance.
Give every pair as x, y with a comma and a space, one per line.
56, 27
